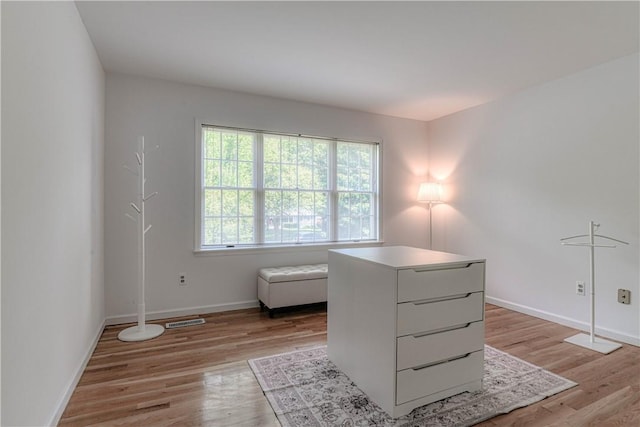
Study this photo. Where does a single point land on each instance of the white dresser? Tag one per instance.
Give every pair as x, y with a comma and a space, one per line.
406, 324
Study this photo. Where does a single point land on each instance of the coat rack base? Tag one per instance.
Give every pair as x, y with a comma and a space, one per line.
134, 333
600, 345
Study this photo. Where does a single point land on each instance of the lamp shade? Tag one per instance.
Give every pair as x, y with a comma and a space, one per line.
430, 192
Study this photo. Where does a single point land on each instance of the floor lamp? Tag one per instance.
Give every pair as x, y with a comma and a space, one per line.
430, 192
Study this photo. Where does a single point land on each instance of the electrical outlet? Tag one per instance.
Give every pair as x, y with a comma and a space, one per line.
624, 296
580, 288
182, 279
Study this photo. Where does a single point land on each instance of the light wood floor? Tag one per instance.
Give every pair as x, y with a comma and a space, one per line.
199, 376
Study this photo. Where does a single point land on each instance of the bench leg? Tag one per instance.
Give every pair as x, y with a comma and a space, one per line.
263, 307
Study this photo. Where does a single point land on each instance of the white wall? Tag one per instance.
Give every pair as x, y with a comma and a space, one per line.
52, 201
526, 170
165, 114
0, 226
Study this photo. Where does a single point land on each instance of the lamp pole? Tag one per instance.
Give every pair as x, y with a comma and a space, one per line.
430, 225
431, 193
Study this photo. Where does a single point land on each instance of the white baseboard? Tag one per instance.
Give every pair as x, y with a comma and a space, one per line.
566, 321
64, 400
165, 314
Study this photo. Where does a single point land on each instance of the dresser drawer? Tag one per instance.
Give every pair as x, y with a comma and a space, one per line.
422, 284
418, 317
416, 383
418, 350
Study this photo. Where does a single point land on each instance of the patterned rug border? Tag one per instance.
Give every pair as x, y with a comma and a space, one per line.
293, 418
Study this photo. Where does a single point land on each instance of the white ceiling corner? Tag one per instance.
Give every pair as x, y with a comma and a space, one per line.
418, 60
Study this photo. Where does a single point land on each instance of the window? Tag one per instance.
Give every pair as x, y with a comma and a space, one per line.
264, 188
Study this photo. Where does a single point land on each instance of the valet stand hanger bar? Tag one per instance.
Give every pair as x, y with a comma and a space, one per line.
590, 341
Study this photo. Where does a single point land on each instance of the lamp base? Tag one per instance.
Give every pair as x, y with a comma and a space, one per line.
600, 345
135, 334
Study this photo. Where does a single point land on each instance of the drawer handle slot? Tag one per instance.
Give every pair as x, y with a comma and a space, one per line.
447, 298
458, 267
440, 362
447, 329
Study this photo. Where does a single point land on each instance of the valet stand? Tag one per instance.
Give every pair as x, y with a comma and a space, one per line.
591, 341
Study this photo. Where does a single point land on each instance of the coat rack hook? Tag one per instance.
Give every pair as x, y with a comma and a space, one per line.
127, 168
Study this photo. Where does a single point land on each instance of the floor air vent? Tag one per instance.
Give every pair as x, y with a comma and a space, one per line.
183, 323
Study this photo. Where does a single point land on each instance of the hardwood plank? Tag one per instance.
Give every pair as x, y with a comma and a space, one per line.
600, 410
628, 417
198, 375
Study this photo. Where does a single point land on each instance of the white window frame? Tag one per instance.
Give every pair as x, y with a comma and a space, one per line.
199, 206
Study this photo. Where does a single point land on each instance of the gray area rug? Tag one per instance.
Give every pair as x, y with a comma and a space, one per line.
304, 388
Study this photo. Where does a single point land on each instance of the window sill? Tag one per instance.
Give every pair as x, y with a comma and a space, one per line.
307, 247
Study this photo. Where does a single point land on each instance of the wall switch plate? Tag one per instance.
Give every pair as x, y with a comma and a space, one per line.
580, 288
624, 296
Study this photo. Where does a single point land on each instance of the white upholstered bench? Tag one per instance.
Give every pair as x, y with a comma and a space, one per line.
292, 285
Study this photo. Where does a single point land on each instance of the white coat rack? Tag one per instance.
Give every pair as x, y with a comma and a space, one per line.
141, 331
591, 341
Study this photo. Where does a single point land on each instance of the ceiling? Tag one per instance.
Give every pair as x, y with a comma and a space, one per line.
419, 60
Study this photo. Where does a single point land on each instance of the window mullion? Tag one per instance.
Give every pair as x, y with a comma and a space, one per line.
200, 237
375, 152
298, 190
298, 194
259, 221
333, 189
221, 205
237, 188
